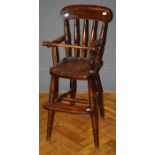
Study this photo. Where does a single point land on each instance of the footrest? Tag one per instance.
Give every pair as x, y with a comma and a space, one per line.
63, 107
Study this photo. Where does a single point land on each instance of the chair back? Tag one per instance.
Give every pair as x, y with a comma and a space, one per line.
92, 17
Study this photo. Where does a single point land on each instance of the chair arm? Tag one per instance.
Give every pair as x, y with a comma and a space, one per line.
57, 40
51, 44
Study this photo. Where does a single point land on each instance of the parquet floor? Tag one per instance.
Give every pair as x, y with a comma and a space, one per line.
72, 134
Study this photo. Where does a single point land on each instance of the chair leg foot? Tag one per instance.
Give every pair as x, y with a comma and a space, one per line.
94, 114
51, 115
94, 119
96, 139
52, 95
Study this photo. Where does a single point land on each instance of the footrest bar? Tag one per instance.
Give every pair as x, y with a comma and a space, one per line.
63, 107
78, 100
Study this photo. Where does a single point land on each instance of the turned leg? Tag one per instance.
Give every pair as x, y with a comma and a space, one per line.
52, 95
73, 90
100, 99
94, 114
51, 115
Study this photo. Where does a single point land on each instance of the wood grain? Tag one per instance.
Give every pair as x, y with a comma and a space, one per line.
70, 138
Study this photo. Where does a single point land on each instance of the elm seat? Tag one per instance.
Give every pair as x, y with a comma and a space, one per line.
75, 68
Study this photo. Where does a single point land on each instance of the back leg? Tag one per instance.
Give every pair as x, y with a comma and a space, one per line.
73, 86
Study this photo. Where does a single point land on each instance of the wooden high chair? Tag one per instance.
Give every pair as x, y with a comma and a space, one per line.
83, 61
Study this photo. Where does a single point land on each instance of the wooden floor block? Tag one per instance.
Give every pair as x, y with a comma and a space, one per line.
72, 133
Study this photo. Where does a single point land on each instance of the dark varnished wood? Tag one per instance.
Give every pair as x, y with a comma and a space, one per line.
93, 36
62, 96
84, 64
55, 55
77, 100
63, 107
73, 85
85, 37
51, 113
100, 98
93, 105
76, 37
59, 39
102, 41
67, 36
87, 12
73, 68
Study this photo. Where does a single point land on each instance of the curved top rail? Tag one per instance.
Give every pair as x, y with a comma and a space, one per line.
87, 12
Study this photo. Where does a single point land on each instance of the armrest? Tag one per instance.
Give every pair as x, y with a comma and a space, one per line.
57, 40
51, 44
